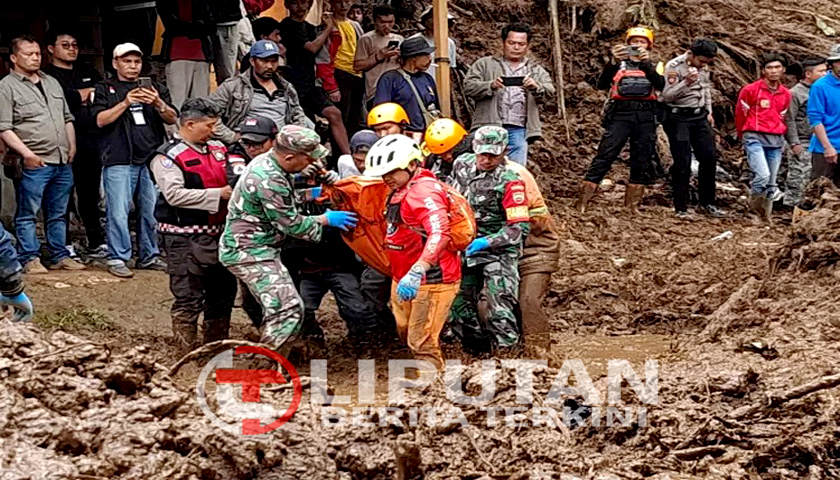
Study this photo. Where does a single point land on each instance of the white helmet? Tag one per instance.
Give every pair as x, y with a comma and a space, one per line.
390, 153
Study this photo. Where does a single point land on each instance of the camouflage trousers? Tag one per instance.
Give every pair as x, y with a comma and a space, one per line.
282, 307
496, 285
798, 175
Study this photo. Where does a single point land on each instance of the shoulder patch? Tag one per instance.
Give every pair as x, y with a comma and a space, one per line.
672, 77
166, 162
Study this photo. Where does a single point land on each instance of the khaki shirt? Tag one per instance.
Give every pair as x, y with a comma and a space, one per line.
678, 93
39, 122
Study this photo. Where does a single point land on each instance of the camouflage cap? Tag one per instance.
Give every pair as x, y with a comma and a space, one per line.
490, 139
301, 140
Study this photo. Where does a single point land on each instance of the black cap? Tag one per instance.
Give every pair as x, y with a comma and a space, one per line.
257, 129
414, 47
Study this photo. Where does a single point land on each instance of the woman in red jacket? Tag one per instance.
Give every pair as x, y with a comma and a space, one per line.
426, 274
760, 119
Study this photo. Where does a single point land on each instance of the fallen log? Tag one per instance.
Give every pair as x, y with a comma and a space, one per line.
719, 321
822, 383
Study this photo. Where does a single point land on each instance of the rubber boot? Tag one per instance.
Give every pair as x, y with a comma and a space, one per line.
768, 209
185, 333
757, 204
633, 196
587, 191
536, 328
216, 329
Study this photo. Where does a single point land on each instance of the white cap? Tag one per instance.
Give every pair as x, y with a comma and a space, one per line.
126, 48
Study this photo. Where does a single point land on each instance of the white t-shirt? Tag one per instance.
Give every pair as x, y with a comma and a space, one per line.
347, 167
432, 70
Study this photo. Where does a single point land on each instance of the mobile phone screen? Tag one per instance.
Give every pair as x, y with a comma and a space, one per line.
393, 44
145, 82
513, 81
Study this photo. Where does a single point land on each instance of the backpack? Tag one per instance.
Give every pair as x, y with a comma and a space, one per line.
632, 84
462, 226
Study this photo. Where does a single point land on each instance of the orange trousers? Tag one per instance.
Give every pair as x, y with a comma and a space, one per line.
420, 321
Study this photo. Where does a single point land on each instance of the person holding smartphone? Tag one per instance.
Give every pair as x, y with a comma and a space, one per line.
630, 113
131, 112
506, 90
378, 51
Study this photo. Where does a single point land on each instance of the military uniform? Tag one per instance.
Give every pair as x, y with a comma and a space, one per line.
798, 133
499, 200
688, 107
263, 211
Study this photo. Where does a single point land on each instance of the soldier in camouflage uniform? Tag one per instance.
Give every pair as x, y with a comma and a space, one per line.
263, 210
799, 131
491, 267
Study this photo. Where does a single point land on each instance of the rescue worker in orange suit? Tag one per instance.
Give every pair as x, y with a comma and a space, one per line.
191, 175
426, 274
540, 254
630, 113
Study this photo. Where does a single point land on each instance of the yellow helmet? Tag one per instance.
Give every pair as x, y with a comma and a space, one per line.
387, 112
443, 135
389, 153
643, 32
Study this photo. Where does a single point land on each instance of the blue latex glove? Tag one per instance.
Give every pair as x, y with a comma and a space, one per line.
21, 304
477, 245
410, 283
342, 220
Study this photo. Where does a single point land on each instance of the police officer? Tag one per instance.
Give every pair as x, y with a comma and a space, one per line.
498, 197
630, 113
688, 100
191, 210
256, 135
263, 212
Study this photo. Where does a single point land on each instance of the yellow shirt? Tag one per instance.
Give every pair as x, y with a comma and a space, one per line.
347, 50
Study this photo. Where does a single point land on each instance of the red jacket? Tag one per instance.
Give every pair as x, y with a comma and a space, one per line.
762, 110
418, 229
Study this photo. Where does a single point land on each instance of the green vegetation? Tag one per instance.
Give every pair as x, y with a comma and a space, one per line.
76, 319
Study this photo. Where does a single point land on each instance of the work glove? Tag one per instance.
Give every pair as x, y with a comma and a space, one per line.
410, 283
342, 220
477, 245
21, 304
330, 177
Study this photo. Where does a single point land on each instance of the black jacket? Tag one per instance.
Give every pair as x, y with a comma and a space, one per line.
225, 11
202, 26
115, 145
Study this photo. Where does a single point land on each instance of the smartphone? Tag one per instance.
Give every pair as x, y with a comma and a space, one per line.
393, 44
144, 82
513, 81
634, 51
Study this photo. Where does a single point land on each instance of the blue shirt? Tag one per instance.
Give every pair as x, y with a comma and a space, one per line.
824, 109
392, 87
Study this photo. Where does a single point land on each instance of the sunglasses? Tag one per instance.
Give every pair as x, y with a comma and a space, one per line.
68, 45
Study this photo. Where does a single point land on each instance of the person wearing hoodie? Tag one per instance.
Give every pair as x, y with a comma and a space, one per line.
760, 119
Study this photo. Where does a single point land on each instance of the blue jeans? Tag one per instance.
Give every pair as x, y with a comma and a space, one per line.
48, 187
517, 145
764, 163
121, 183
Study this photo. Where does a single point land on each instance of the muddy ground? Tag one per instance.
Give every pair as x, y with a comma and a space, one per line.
726, 334
744, 329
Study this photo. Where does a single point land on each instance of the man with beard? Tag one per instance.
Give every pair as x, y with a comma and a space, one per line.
261, 91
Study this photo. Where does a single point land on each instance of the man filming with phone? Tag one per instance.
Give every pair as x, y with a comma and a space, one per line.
130, 111
506, 89
630, 113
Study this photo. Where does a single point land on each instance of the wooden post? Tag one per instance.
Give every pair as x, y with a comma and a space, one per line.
558, 65
441, 13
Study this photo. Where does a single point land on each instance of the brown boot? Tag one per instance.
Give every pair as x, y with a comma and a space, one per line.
633, 196
757, 204
768, 209
587, 191
185, 334
216, 329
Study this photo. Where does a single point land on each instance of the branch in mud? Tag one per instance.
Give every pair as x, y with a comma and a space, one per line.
720, 320
212, 347
822, 383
